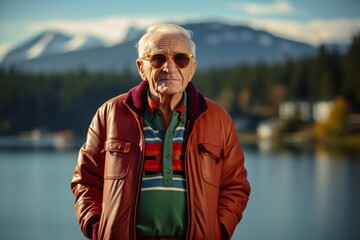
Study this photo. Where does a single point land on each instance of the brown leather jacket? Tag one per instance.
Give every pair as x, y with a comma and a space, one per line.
108, 173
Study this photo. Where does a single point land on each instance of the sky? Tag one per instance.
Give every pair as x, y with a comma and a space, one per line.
310, 21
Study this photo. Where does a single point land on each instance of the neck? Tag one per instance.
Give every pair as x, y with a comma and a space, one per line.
167, 103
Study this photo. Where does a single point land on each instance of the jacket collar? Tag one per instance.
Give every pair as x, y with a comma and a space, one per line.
136, 98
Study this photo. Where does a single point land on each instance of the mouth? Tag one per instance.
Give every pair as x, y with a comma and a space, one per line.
168, 80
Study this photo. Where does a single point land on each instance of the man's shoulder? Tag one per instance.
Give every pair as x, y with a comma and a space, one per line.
214, 106
117, 99
113, 103
215, 109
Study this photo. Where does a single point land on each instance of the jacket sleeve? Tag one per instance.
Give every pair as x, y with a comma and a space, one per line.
234, 187
87, 182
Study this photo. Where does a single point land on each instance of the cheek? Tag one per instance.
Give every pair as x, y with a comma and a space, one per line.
154, 75
186, 77
153, 78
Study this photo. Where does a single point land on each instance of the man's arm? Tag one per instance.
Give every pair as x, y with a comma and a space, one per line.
87, 182
234, 188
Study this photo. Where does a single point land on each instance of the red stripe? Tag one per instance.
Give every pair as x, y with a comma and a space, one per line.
177, 146
153, 153
154, 147
177, 154
153, 165
156, 165
178, 165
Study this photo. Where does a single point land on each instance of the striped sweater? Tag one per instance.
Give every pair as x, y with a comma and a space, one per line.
162, 206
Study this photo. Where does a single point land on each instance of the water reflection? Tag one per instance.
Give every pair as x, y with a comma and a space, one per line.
301, 192
298, 192
36, 202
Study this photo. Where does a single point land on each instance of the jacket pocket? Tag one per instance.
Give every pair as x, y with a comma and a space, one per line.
117, 159
210, 163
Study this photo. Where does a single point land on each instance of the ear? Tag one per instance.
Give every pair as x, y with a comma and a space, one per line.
193, 68
140, 68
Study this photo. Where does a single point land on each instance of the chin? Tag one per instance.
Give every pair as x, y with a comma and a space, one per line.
168, 91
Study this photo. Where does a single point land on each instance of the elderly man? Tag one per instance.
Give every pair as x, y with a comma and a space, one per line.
161, 161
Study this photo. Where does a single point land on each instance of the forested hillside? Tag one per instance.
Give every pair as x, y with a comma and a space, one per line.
69, 100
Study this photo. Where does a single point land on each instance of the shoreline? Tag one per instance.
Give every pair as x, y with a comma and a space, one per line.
299, 140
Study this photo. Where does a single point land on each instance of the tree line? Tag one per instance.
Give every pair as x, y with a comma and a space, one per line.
69, 100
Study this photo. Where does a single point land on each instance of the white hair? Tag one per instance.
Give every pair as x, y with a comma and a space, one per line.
144, 43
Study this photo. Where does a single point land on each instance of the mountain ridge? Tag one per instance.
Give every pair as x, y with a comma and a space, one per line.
218, 45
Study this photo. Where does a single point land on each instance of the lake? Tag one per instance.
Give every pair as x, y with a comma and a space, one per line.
297, 193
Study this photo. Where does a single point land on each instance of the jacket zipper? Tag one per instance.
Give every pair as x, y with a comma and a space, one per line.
138, 187
187, 177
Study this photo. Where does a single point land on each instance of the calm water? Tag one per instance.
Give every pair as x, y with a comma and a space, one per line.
295, 195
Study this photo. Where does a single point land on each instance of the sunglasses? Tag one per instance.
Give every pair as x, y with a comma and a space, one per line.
158, 60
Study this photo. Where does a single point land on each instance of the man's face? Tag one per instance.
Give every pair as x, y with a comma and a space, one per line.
170, 79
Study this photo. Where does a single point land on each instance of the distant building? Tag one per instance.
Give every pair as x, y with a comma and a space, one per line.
267, 128
305, 110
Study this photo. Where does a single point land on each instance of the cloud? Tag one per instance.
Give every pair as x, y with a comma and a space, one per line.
111, 29
279, 7
315, 31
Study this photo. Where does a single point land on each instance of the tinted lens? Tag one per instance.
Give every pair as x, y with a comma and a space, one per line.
181, 60
158, 60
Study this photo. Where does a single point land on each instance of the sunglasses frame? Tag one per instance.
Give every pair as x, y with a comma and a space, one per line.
149, 56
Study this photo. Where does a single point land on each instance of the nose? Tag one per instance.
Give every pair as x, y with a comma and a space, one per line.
170, 65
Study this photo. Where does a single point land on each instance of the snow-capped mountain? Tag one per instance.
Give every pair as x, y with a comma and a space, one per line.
45, 44
217, 44
226, 45
133, 34
81, 42
50, 43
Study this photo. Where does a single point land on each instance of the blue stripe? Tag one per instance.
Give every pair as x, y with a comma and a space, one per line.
158, 182
178, 133
150, 133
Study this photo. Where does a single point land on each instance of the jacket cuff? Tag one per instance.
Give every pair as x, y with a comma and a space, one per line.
223, 232
89, 226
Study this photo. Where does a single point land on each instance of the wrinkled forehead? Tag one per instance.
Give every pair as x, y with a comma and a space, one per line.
167, 43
